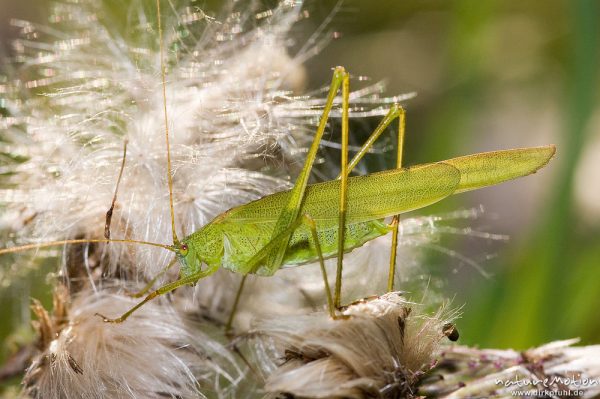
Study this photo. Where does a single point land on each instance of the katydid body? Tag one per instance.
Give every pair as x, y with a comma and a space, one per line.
312, 222
305, 224
233, 238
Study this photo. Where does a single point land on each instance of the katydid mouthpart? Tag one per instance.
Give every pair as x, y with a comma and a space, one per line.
301, 226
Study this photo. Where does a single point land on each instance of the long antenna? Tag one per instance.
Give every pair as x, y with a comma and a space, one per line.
79, 241
109, 213
164, 90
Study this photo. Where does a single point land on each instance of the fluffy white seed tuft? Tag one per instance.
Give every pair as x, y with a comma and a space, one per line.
381, 349
156, 354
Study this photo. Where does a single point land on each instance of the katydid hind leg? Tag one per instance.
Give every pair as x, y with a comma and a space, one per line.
291, 211
286, 222
395, 111
274, 251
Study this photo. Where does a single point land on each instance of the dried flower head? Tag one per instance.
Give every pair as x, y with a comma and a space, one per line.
556, 369
158, 354
381, 349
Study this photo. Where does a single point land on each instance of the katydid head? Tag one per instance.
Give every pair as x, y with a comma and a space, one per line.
188, 258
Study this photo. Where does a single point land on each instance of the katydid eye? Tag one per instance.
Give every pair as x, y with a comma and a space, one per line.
184, 250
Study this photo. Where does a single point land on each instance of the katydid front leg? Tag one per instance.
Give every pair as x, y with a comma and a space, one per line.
161, 291
148, 286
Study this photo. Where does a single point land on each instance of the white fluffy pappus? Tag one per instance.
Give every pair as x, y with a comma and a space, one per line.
382, 349
158, 354
238, 127
102, 88
83, 87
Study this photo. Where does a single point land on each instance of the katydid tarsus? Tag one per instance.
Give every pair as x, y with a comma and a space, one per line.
312, 222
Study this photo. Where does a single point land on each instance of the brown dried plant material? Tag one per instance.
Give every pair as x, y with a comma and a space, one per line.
556, 369
388, 348
382, 349
157, 353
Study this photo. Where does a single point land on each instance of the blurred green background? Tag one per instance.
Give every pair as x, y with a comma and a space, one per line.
489, 75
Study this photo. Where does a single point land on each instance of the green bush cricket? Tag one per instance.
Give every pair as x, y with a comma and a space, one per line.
301, 226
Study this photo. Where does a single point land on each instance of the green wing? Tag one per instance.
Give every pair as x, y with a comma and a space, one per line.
383, 194
489, 168
370, 197
388, 193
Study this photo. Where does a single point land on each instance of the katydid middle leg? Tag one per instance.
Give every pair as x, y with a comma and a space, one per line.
346, 168
236, 302
289, 214
254, 262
